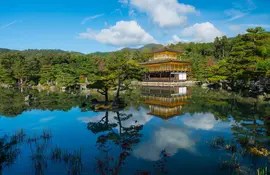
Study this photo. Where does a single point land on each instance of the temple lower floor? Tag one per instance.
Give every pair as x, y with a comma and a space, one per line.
166, 77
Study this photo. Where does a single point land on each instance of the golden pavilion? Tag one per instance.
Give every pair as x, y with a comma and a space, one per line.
166, 66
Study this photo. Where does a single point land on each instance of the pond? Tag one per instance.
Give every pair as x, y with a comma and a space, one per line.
169, 130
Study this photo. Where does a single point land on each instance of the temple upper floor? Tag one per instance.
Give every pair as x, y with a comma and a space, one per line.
166, 54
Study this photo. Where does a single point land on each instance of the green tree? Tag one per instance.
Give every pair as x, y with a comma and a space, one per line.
47, 75
245, 58
65, 75
123, 70
6, 76
222, 47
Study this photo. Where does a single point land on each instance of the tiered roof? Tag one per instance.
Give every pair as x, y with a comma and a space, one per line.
164, 49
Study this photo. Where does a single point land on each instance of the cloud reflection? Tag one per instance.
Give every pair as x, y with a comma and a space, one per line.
204, 121
170, 138
140, 116
43, 120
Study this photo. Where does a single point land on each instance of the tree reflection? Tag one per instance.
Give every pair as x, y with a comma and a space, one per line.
9, 149
249, 116
102, 125
14, 102
124, 137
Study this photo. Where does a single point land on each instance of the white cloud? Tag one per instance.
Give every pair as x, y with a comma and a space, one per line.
234, 14
166, 13
240, 9
202, 32
175, 39
91, 18
11, 23
205, 121
122, 34
170, 138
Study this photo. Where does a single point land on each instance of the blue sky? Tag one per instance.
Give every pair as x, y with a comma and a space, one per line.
108, 25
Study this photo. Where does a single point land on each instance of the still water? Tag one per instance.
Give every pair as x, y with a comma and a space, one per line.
160, 131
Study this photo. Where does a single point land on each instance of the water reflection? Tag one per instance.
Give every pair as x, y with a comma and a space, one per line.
170, 138
126, 138
136, 140
166, 102
205, 121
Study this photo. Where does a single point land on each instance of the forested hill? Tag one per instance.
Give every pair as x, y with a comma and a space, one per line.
148, 47
33, 52
3, 50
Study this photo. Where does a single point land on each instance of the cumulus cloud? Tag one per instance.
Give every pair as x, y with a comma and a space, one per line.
204, 121
202, 32
166, 13
122, 34
170, 138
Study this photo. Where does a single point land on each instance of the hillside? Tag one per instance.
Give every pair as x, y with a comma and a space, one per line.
32, 52
149, 47
2, 50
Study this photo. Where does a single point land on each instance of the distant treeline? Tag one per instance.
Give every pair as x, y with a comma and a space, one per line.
57, 67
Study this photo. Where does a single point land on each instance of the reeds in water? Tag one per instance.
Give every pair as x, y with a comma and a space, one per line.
46, 134
75, 163
39, 159
18, 137
33, 139
233, 163
56, 154
9, 157
72, 160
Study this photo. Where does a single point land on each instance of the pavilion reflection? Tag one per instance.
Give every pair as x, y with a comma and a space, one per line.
165, 102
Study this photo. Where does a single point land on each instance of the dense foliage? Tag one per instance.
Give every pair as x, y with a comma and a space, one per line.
242, 58
63, 69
